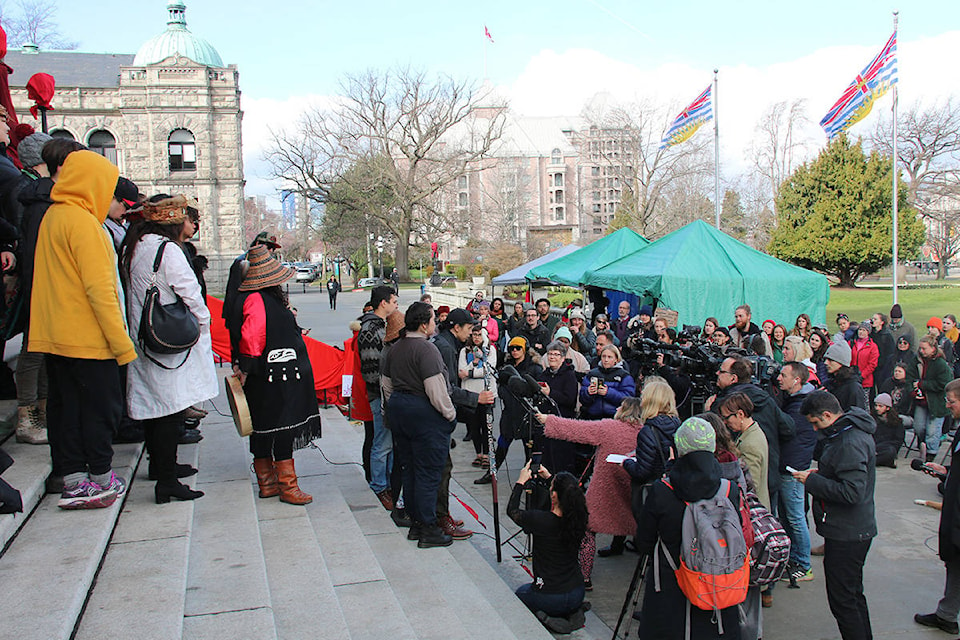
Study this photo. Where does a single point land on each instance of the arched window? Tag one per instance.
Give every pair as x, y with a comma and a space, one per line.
62, 133
104, 143
556, 157
182, 150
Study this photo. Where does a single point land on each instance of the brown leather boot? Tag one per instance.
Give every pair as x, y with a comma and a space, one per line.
289, 490
266, 477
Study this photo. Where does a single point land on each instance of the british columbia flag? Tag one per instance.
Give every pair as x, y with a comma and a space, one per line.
871, 83
690, 119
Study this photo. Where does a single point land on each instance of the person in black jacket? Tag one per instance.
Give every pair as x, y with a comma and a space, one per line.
883, 338
559, 381
890, 431
449, 341
534, 332
843, 508
844, 381
797, 453
734, 376
899, 389
945, 617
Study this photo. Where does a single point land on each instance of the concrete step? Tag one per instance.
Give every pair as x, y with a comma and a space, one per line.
140, 588
28, 474
54, 561
226, 594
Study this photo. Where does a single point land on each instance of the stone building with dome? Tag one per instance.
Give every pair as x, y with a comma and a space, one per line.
169, 117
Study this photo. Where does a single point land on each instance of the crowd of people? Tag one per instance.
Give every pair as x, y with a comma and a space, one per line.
804, 444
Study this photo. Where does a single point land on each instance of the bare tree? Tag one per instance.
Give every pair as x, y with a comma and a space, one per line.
928, 152
418, 135
505, 192
626, 140
777, 147
33, 22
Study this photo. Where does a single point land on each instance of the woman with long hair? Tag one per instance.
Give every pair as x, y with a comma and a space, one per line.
558, 587
819, 341
709, 326
777, 337
608, 496
795, 349
477, 365
802, 326
160, 388
865, 356
930, 399
516, 321
277, 377
658, 412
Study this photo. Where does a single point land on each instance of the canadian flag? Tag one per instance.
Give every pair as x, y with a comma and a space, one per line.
486, 32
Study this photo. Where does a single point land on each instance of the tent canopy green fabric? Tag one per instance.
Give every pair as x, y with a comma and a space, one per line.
570, 268
701, 272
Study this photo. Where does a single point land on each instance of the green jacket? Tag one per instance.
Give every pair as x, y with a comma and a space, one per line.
938, 375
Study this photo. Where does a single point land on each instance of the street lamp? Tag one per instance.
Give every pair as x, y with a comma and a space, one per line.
380, 254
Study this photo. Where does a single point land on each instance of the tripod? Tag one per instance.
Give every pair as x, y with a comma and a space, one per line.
633, 596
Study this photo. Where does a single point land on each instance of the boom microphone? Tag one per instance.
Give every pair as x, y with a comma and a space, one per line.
533, 387
506, 373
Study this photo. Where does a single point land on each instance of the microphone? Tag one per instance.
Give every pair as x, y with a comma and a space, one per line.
533, 387
916, 464
507, 373
517, 385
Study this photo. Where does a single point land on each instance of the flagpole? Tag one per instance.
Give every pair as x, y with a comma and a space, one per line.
896, 247
716, 152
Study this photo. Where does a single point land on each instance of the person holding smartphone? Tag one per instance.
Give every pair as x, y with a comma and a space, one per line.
605, 386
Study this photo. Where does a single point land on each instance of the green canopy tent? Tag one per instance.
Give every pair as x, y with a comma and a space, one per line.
570, 268
700, 272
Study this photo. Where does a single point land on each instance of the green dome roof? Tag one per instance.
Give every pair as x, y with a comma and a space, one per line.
177, 39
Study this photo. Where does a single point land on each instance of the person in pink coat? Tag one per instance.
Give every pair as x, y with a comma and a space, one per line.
608, 496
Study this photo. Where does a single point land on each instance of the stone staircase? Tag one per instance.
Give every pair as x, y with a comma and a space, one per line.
231, 565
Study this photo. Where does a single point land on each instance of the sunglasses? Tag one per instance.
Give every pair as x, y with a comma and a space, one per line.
516, 348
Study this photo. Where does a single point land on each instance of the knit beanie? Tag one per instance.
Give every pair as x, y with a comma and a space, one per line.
838, 352
932, 322
896, 313
645, 310
518, 341
30, 148
695, 434
884, 400
563, 332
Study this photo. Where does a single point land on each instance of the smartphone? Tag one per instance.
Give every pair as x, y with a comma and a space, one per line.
791, 469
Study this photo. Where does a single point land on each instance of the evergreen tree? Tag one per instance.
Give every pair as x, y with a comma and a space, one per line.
834, 214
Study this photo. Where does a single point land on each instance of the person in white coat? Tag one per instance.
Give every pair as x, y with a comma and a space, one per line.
161, 387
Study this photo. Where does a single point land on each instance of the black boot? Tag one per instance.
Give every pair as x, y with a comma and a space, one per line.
615, 548
499, 456
400, 517
163, 492
433, 536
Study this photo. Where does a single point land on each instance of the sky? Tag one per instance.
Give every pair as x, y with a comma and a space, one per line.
551, 58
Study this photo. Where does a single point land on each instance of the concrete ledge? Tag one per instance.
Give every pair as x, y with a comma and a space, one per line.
28, 474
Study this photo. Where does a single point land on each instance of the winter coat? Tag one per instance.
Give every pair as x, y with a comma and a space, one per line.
949, 530
935, 374
75, 308
152, 391
798, 451
887, 348
608, 496
513, 416
901, 394
35, 200
904, 329
449, 348
492, 329
890, 429
654, 438
846, 386
842, 487
865, 356
755, 453
537, 338
695, 476
514, 324
619, 386
373, 329
586, 341
776, 425
563, 388
472, 361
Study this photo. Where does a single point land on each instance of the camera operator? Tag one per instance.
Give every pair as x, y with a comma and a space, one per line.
945, 617
734, 376
557, 592
526, 361
681, 385
449, 341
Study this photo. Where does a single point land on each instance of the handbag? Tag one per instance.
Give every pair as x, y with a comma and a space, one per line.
166, 328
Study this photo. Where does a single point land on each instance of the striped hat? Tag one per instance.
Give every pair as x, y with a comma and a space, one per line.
265, 270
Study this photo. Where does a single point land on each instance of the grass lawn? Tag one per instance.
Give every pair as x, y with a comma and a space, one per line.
919, 304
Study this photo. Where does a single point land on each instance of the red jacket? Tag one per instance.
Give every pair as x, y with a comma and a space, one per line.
865, 359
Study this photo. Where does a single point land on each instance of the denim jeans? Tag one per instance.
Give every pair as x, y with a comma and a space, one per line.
557, 605
927, 429
794, 520
381, 451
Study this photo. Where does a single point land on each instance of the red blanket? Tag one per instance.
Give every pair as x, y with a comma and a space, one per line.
327, 362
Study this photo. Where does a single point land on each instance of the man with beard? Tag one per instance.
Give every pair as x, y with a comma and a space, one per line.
743, 330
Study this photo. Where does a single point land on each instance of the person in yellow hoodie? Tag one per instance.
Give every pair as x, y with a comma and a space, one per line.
76, 318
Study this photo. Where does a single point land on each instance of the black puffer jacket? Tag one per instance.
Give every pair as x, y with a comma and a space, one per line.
776, 425
512, 418
654, 440
563, 388
842, 487
950, 517
847, 385
35, 200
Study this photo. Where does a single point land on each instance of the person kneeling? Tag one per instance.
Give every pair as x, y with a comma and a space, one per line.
556, 594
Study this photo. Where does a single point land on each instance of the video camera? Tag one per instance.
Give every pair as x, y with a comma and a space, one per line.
696, 359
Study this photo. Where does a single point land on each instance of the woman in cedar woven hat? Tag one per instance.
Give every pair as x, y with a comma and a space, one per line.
277, 377
159, 388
